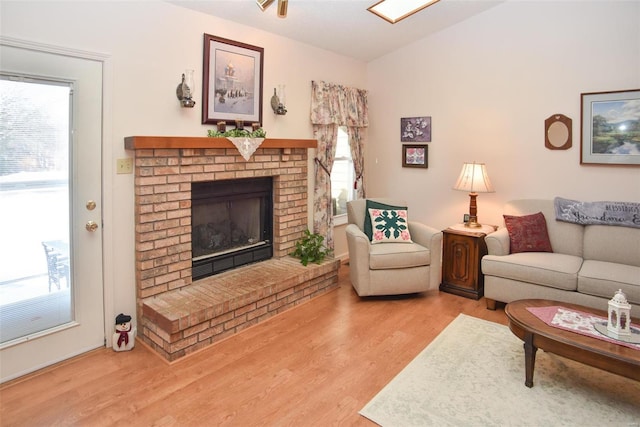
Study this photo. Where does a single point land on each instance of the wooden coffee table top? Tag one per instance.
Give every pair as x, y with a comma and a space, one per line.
602, 354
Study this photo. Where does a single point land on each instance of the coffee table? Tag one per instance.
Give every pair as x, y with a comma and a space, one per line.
536, 334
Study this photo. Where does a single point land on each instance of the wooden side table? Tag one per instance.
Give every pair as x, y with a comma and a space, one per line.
462, 250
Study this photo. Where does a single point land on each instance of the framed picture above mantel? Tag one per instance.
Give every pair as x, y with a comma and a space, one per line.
610, 128
232, 81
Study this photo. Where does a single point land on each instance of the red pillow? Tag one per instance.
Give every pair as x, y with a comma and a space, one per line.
528, 233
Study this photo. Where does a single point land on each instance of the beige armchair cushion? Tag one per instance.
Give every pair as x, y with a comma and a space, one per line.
398, 255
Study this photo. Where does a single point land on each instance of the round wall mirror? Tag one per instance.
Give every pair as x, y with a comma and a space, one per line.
557, 132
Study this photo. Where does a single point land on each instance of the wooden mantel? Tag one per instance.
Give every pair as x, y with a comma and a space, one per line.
152, 142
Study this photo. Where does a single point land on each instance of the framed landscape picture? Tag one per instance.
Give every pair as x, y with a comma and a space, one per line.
232, 81
610, 128
415, 129
415, 156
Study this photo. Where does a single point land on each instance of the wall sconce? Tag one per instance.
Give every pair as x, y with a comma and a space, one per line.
277, 102
185, 90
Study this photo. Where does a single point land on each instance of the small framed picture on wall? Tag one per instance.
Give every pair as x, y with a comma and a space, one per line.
415, 129
415, 156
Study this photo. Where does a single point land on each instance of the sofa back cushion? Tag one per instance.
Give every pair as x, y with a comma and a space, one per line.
612, 243
566, 238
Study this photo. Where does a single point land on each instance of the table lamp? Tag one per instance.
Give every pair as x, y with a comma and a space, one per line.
474, 179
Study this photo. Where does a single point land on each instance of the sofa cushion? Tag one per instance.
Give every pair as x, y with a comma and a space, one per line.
528, 233
371, 204
541, 268
603, 279
612, 244
389, 226
398, 255
566, 238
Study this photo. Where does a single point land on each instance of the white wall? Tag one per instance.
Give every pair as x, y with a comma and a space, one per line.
150, 44
489, 83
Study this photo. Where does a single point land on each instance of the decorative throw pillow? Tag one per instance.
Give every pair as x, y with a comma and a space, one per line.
389, 225
368, 230
528, 233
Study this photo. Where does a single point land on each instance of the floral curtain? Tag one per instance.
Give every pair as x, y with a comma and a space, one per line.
322, 207
332, 106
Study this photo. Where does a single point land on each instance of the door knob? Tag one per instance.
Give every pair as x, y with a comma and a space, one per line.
91, 226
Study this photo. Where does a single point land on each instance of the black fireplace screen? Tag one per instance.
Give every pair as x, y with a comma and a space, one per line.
231, 223
226, 226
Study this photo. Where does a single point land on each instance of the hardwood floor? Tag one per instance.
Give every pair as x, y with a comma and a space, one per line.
317, 364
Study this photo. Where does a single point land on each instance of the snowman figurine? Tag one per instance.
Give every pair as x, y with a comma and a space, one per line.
124, 338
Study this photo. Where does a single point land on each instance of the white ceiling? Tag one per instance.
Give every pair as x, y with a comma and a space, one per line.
343, 26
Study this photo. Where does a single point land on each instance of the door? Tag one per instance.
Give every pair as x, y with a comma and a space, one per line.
51, 288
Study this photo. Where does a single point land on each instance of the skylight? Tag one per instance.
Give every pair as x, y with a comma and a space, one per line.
396, 10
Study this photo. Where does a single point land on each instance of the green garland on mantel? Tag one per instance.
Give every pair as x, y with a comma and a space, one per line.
237, 133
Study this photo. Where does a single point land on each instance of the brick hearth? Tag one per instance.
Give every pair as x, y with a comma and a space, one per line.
211, 309
178, 316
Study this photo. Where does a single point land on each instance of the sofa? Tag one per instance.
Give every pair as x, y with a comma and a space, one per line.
587, 264
392, 268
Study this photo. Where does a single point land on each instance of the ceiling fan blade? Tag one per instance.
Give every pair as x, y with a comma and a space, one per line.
282, 8
264, 4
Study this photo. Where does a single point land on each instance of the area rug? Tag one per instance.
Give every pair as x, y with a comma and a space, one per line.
472, 374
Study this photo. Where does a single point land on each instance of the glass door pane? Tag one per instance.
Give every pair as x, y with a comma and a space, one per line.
35, 269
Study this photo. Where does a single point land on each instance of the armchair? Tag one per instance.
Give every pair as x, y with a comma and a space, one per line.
392, 268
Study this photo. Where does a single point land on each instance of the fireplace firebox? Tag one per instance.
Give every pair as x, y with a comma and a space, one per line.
231, 224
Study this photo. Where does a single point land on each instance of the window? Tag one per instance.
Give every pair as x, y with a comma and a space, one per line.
34, 160
342, 178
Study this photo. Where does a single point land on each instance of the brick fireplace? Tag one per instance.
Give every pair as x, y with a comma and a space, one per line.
176, 314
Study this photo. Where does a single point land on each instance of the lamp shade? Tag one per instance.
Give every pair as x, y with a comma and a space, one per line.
474, 179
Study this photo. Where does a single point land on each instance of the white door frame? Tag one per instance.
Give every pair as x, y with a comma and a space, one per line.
107, 174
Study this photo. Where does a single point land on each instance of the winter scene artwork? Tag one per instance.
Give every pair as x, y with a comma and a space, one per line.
232, 81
